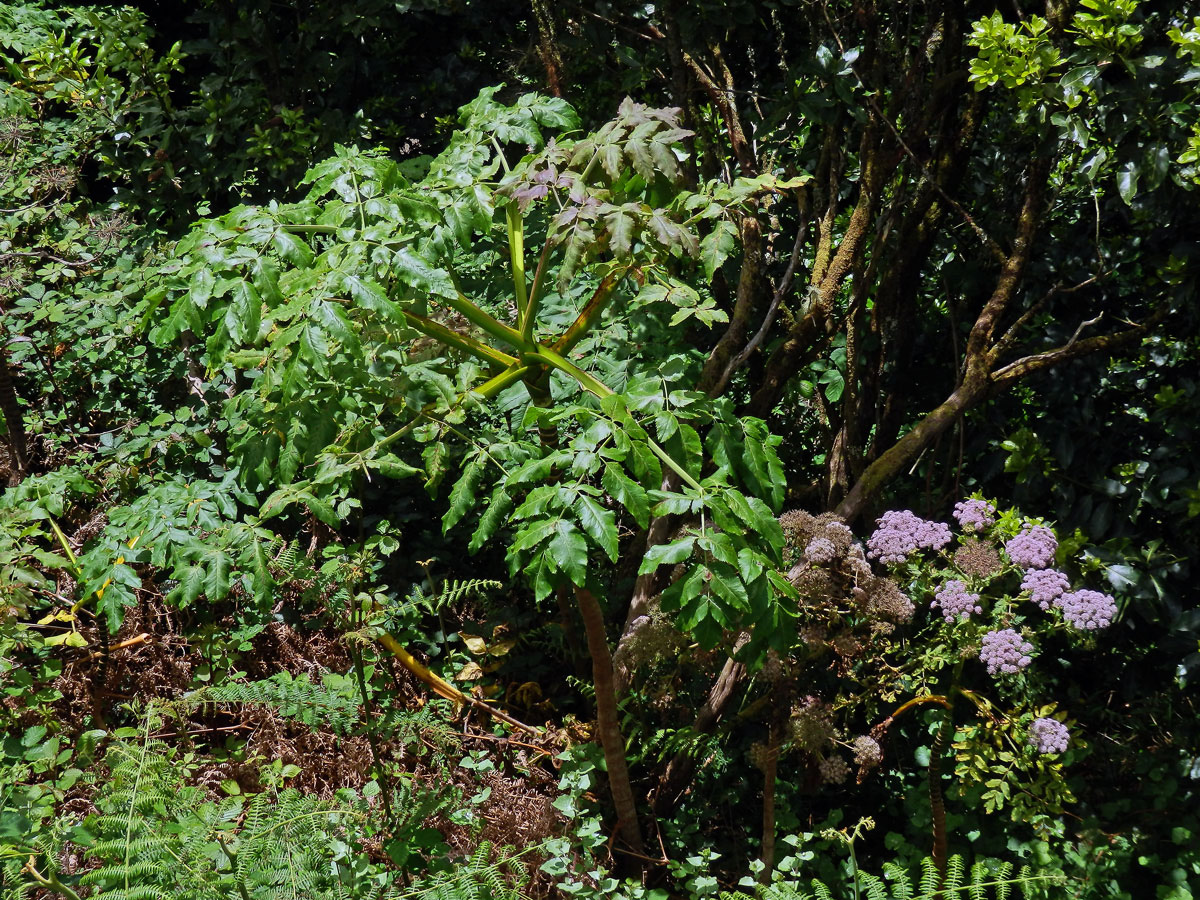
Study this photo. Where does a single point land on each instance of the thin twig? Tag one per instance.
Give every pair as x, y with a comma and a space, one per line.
988, 241
785, 286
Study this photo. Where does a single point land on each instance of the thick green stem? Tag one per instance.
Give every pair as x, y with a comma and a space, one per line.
477, 316
590, 314
463, 342
50, 881
535, 296
516, 253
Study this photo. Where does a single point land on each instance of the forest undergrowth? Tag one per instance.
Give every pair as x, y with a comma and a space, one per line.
733, 450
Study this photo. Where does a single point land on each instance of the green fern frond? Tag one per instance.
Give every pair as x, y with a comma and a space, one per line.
976, 889
456, 590
131, 873
1003, 885
1024, 880
333, 703
875, 887
902, 886
135, 892
479, 877
955, 869
930, 877
667, 743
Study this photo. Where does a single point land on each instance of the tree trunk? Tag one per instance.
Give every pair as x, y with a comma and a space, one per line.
607, 722
683, 766
906, 450
548, 48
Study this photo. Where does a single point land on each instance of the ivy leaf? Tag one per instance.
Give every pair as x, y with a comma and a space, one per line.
462, 495
628, 493
599, 523
493, 517
568, 549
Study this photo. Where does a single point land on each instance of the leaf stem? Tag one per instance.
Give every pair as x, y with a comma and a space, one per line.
463, 342
535, 297
516, 253
492, 326
590, 314
487, 390
595, 386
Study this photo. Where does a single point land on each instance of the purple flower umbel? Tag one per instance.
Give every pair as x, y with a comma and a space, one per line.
974, 515
901, 533
1046, 586
1087, 610
1033, 548
955, 602
1049, 736
1005, 651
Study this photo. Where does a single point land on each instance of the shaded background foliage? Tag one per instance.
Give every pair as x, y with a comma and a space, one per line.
875, 101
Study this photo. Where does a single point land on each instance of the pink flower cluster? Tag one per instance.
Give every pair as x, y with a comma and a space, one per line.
1033, 548
1005, 651
974, 515
1049, 736
1046, 586
1088, 610
955, 602
901, 533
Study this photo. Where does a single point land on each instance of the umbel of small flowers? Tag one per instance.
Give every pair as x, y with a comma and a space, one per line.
1087, 610
1046, 586
1033, 548
1049, 736
1084, 610
974, 515
901, 533
955, 602
1005, 651
867, 752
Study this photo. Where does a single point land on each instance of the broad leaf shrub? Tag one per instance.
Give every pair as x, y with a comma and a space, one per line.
382, 307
